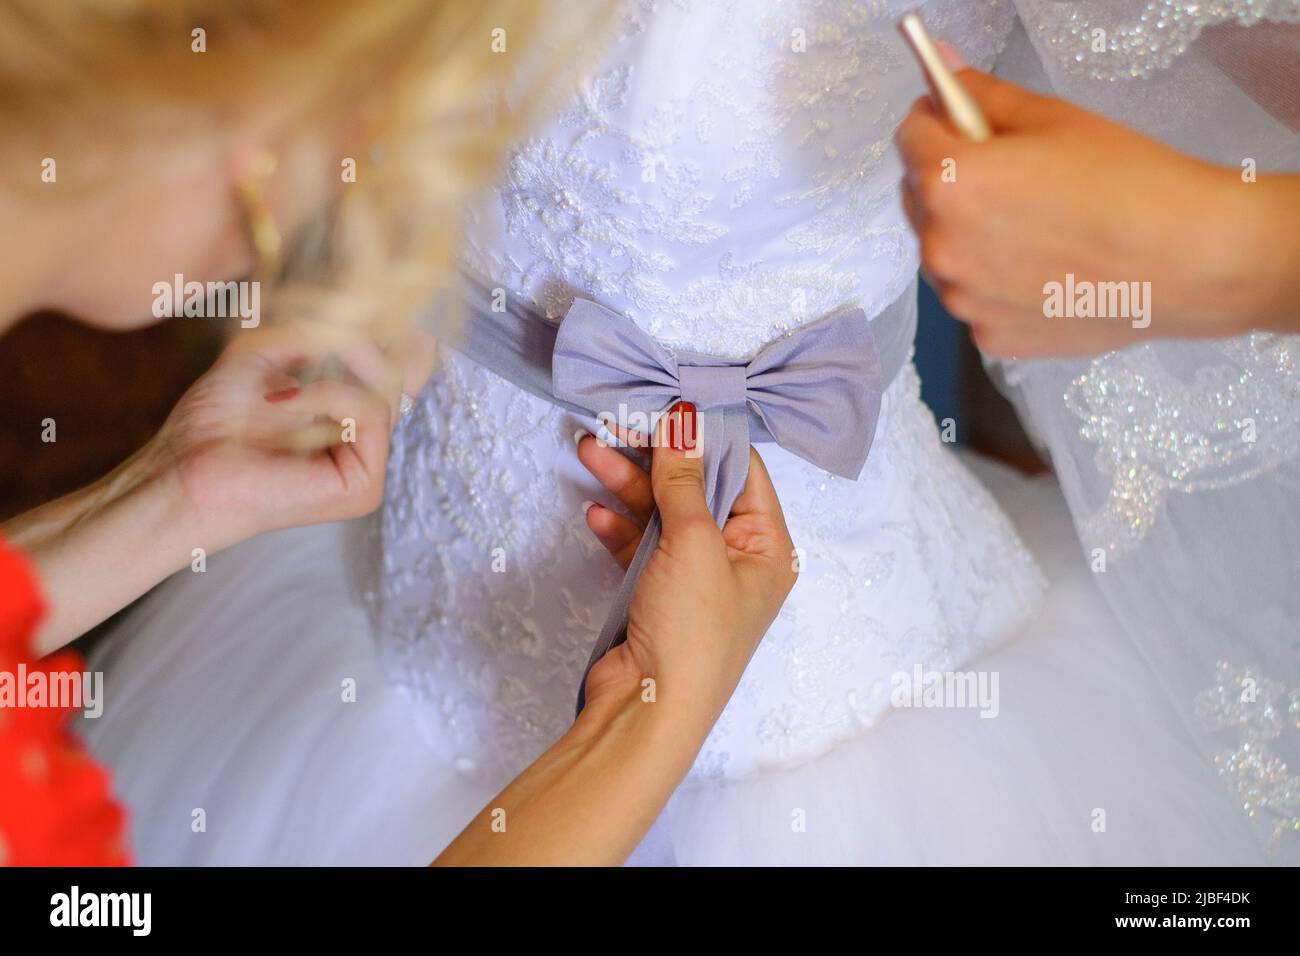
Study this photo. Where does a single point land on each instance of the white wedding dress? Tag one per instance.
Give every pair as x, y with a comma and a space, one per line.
726, 174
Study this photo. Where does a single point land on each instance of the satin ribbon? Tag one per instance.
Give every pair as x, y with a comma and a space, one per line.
816, 391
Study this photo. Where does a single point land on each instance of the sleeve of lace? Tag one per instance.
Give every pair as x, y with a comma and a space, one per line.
1263, 61
1180, 461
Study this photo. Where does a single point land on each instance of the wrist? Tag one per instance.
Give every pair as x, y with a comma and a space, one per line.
683, 697
1281, 229
158, 476
128, 521
149, 486
673, 728
1261, 286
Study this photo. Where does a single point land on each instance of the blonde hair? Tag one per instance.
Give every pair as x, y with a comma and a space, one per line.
107, 82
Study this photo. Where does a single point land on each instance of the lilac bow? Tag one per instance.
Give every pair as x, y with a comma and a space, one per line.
816, 392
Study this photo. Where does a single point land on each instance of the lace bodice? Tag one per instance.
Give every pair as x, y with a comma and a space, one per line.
725, 175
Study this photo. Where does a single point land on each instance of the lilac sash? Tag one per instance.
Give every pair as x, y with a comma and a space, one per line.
815, 392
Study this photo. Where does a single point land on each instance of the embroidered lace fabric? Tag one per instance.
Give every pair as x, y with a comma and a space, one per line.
726, 175
1126, 39
1181, 460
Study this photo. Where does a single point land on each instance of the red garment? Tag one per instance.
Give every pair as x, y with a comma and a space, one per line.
56, 807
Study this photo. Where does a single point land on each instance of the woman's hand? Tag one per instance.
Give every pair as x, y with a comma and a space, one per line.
1061, 191
259, 443
701, 606
706, 598
256, 444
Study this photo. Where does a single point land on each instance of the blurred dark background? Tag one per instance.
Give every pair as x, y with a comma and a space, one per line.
955, 386
107, 393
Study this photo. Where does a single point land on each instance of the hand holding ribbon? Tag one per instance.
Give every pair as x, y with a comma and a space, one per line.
815, 392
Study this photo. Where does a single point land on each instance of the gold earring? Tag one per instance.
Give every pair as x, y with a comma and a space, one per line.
261, 224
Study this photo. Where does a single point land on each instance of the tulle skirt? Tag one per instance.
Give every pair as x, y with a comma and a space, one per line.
247, 721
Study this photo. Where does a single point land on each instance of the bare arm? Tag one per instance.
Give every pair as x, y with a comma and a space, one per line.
701, 606
98, 549
248, 449
590, 799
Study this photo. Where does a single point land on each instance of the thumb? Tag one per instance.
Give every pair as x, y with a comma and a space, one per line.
677, 470
1008, 107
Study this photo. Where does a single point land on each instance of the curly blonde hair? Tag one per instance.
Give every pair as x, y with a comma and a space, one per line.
110, 82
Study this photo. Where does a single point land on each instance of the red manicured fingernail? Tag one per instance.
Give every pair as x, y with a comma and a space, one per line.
282, 395
681, 426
